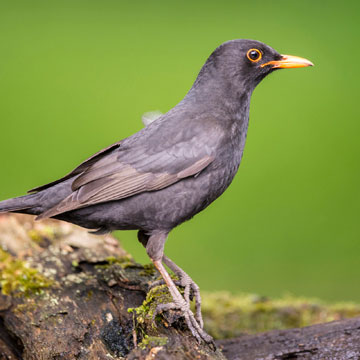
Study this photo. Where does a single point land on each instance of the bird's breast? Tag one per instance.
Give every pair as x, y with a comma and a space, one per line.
203, 189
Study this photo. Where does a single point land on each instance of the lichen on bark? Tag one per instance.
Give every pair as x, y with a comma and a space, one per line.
18, 278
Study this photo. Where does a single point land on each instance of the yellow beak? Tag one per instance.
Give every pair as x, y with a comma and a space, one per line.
288, 62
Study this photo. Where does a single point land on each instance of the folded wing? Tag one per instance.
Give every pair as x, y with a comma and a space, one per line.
116, 175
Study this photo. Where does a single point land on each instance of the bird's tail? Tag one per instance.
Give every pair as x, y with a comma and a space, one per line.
19, 204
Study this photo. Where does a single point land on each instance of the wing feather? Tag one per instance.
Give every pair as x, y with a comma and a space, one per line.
78, 170
116, 186
152, 159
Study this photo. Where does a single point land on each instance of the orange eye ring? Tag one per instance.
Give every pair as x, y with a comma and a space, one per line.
254, 55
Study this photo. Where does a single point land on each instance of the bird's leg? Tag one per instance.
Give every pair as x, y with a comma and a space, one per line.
180, 303
185, 281
189, 285
155, 249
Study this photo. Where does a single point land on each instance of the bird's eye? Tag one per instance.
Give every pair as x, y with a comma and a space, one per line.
254, 55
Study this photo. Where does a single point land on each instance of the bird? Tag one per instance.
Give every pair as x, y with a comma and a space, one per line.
170, 170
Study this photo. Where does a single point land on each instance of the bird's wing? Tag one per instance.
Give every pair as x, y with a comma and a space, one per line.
78, 170
138, 167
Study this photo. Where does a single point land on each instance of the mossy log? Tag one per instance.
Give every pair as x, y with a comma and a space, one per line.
67, 294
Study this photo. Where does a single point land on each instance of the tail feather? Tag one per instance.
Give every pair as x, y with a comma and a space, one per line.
17, 204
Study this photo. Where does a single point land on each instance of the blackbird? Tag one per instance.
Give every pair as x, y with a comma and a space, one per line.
170, 170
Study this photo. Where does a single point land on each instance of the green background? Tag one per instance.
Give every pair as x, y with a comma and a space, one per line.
76, 76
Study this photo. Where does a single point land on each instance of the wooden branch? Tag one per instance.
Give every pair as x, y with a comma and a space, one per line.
337, 340
66, 294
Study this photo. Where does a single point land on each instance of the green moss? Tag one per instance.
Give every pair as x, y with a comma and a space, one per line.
18, 278
120, 260
152, 341
38, 234
145, 312
149, 270
227, 315
143, 317
89, 294
34, 235
124, 261
28, 306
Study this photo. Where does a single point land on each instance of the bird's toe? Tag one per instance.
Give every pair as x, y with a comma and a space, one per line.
192, 322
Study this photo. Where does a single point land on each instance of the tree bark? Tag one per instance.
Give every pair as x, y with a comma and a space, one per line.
66, 294
330, 341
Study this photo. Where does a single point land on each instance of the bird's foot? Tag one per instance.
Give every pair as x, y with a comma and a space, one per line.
182, 303
191, 290
192, 323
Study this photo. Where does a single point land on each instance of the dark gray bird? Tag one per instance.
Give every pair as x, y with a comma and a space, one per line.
169, 171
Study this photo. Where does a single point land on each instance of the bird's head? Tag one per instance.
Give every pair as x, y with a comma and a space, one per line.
242, 64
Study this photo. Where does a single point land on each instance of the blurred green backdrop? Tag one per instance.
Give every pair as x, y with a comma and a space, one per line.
76, 76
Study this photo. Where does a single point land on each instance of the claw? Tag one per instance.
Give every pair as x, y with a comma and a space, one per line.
191, 289
182, 302
163, 307
190, 320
